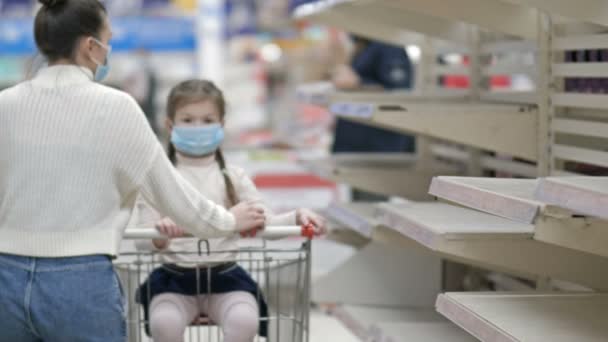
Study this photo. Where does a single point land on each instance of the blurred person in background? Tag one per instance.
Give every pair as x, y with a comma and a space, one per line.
142, 84
374, 66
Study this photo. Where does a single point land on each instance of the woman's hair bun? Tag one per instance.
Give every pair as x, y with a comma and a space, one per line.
51, 3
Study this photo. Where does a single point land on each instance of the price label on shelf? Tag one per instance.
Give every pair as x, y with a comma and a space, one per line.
355, 110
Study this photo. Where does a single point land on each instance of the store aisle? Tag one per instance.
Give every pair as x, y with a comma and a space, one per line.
323, 328
327, 328
327, 255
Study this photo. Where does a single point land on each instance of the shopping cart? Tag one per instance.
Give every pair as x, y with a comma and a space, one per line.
280, 268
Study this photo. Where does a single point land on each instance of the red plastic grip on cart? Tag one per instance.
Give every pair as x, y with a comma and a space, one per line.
308, 231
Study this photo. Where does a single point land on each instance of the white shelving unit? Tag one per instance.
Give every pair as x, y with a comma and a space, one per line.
548, 227
507, 197
489, 241
375, 99
585, 195
593, 11
549, 204
421, 222
497, 16
368, 268
383, 23
324, 94
583, 234
495, 125
533, 317
359, 217
368, 279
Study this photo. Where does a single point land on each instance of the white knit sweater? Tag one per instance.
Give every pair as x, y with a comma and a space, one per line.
74, 154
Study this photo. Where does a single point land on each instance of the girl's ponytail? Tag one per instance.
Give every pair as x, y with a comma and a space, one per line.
230, 189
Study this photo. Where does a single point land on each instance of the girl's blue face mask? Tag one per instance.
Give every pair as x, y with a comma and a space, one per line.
197, 141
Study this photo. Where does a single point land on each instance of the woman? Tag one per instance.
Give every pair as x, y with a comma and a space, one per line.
73, 157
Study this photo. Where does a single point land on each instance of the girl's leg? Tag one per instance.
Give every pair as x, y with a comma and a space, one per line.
170, 315
237, 313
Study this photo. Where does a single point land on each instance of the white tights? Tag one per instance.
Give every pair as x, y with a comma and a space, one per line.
237, 314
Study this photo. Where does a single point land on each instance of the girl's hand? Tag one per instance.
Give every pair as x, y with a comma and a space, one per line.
167, 227
306, 216
248, 216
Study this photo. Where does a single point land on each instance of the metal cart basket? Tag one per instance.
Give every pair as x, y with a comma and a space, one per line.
282, 273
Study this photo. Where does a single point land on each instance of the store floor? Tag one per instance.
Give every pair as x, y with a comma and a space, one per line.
327, 328
326, 256
323, 328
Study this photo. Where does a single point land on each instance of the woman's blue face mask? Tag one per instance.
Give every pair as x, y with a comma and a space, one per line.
197, 141
103, 69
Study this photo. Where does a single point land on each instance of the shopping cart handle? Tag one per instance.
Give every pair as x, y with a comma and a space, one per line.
270, 232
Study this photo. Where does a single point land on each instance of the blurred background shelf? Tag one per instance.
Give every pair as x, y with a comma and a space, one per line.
485, 126
375, 20
392, 174
358, 216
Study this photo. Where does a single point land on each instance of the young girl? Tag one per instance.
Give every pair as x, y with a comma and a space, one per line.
196, 111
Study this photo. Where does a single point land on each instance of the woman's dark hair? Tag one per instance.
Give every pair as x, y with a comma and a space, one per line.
60, 24
193, 91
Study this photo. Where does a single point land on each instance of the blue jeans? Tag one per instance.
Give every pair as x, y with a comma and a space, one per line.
77, 299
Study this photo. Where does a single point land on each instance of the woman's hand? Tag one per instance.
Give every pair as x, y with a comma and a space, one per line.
167, 227
249, 217
305, 217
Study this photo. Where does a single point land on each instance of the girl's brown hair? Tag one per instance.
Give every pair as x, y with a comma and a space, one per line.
193, 91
